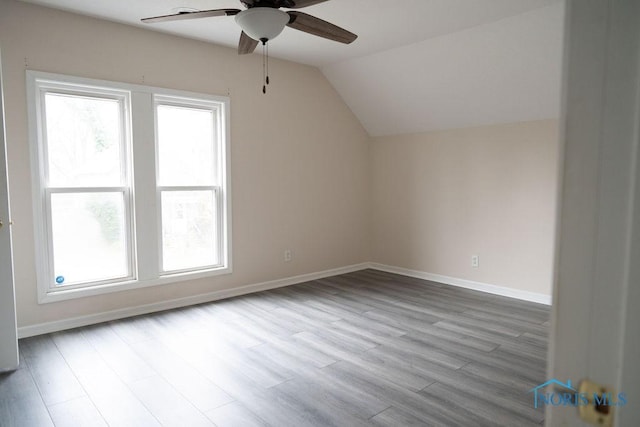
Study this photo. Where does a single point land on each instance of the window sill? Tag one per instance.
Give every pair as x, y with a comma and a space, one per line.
68, 294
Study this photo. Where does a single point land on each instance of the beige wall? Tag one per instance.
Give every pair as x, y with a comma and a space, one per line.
300, 166
440, 197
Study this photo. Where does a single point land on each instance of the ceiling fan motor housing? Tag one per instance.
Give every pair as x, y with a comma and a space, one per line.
268, 3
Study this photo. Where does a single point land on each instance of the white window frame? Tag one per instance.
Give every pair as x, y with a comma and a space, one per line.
143, 194
203, 105
122, 98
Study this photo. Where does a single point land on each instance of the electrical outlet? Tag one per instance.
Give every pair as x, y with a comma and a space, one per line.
287, 255
475, 261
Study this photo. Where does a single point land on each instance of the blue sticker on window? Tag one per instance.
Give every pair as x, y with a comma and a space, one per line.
59, 280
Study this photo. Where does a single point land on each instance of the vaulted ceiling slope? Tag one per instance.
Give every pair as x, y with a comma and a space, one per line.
418, 65
500, 72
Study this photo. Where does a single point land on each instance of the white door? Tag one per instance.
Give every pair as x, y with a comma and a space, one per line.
8, 333
596, 320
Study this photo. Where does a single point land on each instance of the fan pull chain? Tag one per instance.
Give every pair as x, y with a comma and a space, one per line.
265, 64
267, 79
264, 67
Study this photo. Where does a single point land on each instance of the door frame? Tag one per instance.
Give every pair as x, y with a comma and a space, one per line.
595, 315
8, 332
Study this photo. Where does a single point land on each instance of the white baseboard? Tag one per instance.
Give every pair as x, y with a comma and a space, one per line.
467, 284
75, 322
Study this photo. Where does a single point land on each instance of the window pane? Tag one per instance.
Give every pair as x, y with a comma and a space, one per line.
185, 146
83, 141
188, 230
89, 238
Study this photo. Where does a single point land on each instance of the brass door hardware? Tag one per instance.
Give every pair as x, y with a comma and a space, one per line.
601, 403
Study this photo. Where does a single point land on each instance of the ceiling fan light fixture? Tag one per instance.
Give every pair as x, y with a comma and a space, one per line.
262, 23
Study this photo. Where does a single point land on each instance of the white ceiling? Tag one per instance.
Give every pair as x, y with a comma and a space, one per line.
501, 72
417, 65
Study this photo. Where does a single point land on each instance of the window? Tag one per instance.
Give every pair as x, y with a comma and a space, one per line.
130, 185
88, 189
188, 177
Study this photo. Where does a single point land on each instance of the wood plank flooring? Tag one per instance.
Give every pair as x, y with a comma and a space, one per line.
366, 348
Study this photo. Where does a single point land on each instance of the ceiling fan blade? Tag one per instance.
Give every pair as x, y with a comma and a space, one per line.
318, 27
247, 44
299, 4
191, 15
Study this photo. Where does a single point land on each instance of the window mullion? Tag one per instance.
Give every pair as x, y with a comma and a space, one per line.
144, 165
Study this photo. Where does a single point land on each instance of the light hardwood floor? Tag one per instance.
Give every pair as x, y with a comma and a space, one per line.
366, 348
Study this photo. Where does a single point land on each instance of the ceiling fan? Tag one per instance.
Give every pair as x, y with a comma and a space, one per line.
262, 20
